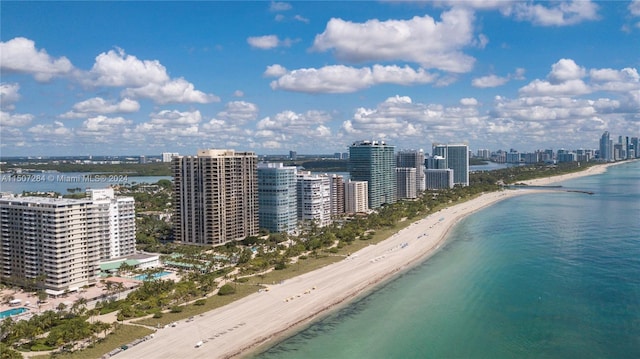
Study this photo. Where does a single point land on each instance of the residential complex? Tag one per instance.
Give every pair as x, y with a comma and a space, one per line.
121, 216
58, 243
277, 197
413, 159
456, 157
216, 197
168, 156
337, 195
374, 162
314, 199
439, 178
406, 183
356, 197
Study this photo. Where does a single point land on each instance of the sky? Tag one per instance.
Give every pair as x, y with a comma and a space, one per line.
142, 78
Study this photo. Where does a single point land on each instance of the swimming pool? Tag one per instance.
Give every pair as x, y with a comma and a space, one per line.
144, 277
11, 312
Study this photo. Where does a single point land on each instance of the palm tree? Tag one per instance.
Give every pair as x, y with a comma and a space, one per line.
79, 307
119, 288
61, 307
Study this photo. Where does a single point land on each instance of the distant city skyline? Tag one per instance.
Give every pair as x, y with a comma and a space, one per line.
127, 78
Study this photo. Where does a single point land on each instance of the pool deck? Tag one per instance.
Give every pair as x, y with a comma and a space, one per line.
90, 294
25, 310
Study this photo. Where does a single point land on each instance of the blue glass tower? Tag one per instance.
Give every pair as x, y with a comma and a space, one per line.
374, 162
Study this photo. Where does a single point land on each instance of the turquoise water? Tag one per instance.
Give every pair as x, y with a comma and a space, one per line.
144, 277
547, 275
11, 312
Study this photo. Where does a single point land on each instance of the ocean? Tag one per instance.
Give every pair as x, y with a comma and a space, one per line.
546, 275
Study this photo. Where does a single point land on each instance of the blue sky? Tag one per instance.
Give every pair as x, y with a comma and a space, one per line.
126, 78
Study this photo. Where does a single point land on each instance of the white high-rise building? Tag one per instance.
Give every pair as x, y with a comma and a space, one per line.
314, 199
121, 214
167, 156
406, 178
484, 154
56, 243
52, 243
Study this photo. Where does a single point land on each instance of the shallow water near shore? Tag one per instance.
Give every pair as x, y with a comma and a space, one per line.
541, 275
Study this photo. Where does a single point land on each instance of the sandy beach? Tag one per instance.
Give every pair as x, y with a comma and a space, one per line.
264, 317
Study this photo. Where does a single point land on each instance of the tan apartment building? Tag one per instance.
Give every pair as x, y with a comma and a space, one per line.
216, 197
356, 196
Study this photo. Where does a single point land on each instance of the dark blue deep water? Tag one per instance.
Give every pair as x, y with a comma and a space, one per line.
547, 275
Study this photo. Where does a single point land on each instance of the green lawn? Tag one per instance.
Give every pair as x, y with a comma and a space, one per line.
124, 334
213, 302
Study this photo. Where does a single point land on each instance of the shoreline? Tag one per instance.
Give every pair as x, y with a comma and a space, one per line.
249, 325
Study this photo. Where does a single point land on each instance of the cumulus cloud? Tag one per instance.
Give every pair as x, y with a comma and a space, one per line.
160, 133
399, 118
143, 79
98, 105
495, 81
625, 82
167, 126
395, 116
345, 79
175, 91
173, 117
469, 101
9, 95
561, 13
269, 42
565, 78
275, 70
612, 80
14, 120
227, 127
570, 104
565, 70
422, 40
53, 133
294, 123
102, 126
545, 108
550, 13
489, 81
117, 69
296, 129
567, 88
20, 55
239, 112
264, 42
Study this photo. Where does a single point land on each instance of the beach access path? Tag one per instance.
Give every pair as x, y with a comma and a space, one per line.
264, 317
